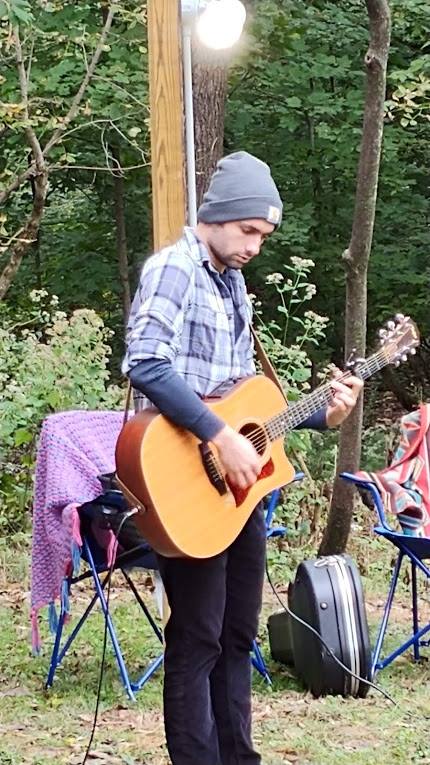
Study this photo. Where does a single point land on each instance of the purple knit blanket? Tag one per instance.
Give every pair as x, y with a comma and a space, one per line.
74, 449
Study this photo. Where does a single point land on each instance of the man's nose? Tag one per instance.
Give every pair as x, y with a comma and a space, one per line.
253, 246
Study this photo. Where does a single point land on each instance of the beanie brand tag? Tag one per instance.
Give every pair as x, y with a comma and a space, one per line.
274, 214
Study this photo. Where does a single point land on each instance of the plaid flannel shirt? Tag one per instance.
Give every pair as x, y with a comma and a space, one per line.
183, 312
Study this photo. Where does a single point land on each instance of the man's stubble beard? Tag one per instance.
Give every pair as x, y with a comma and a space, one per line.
224, 259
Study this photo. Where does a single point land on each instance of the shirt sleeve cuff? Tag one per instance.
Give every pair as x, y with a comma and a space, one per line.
316, 421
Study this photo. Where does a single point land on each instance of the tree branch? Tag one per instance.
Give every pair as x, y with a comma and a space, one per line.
71, 114
112, 170
17, 182
23, 83
58, 134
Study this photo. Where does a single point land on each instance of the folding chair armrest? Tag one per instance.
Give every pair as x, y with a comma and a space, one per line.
372, 488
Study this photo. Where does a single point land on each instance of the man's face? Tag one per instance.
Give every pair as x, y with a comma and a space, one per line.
234, 244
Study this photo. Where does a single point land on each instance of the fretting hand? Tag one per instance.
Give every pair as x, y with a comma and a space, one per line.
345, 395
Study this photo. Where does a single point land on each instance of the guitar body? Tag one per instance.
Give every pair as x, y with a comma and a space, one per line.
185, 506
161, 471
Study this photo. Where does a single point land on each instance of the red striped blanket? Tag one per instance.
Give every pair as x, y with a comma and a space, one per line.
405, 484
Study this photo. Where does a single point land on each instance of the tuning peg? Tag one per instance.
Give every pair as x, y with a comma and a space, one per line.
382, 333
404, 357
391, 325
351, 360
413, 351
397, 363
399, 317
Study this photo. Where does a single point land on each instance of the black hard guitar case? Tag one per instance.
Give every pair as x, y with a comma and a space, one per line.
327, 594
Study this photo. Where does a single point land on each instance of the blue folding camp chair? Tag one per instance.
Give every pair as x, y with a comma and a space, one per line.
140, 556
414, 549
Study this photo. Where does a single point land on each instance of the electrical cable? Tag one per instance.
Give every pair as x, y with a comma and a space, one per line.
324, 644
126, 515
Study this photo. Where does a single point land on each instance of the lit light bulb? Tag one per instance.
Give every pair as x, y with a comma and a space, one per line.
221, 23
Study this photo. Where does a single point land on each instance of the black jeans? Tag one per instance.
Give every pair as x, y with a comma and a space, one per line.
215, 603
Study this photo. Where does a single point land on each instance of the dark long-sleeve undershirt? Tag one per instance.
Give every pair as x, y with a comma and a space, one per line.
168, 391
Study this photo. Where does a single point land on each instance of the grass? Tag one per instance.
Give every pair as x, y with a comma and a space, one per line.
47, 728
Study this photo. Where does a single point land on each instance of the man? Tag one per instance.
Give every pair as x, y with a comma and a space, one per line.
189, 337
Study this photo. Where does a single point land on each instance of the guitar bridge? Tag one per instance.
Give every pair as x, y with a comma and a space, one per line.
211, 468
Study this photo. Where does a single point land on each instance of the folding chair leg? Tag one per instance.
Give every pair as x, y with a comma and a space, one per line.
148, 673
415, 622
117, 650
55, 659
57, 655
376, 664
143, 606
78, 626
259, 663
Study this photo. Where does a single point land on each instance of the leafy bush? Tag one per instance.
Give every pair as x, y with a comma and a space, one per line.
49, 362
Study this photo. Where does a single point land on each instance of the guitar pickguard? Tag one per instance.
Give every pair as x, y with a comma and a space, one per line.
241, 494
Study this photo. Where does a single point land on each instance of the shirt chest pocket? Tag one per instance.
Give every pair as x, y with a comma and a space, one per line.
209, 333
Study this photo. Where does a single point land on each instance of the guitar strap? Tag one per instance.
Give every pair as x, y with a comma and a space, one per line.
127, 403
265, 362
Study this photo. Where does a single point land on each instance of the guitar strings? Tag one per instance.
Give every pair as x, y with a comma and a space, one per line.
277, 424
259, 435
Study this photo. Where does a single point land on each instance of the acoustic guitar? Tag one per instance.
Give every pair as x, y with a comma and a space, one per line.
186, 506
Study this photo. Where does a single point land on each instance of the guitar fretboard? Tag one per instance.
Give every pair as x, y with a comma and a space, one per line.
320, 398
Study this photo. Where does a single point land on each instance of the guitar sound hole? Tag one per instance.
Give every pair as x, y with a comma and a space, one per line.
255, 434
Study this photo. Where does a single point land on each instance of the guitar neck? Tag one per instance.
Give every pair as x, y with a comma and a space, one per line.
320, 398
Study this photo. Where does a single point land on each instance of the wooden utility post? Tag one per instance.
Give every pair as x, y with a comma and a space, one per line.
167, 133
166, 120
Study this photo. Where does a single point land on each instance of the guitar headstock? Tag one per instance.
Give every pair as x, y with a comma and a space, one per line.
398, 339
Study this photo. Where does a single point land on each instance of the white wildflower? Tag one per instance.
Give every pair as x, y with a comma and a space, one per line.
315, 318
37, 295
310, 291
54, 300
274, 278
302, 263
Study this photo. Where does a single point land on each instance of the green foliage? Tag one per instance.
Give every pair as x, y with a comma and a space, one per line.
16, 11
288, 337
295, 99
49, 362
301, 82
111, 126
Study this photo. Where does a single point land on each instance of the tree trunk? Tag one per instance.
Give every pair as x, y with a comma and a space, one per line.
27, 235
209, 95
356, 259
121, 236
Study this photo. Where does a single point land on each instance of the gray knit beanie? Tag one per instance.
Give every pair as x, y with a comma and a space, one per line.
241, 187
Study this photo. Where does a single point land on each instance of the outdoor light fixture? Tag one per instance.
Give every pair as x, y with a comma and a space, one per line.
219, 24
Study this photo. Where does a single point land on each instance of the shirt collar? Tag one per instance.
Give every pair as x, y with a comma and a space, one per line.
199, 253
197, 249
